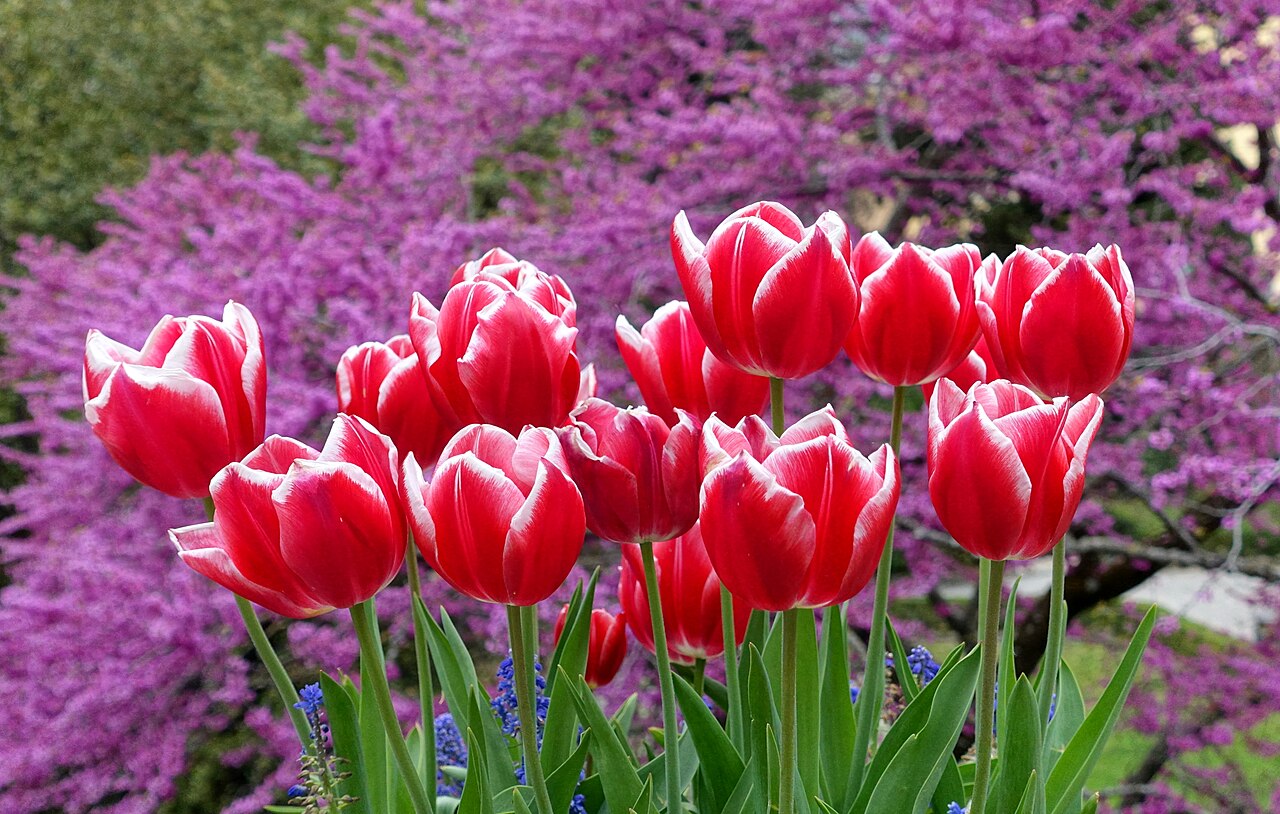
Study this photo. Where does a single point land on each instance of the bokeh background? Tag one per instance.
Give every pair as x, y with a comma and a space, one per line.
321, 160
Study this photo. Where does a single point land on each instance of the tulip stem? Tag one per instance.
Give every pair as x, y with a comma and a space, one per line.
426, 690
787, 758
279, 676
733, 719
521, 625
989, 612
670, 731
1053, 647
871, 696
776, 410
699, 675
375, 681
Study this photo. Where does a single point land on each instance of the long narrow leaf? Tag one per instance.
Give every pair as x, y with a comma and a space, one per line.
836, 725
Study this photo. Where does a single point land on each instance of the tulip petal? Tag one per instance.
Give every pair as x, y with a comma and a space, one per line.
337, 531
740, 254
407, 413
818, 424
641, 359
874, 522
208, 351
413, 496
978, 485
162, 426
689, 254
353, 440
546, 537
758, 535
678, 349
804, 307
201, 549
493, 445
472, 505
277, 453
360, 374
732, 393
869, 254
774, 214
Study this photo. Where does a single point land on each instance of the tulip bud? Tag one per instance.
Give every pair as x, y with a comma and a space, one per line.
191, 401
670, 362
690, 594
1061, 324
606, 645
501, 352
918, 317
1006, 470
302, 532
500, 521
768, 295
639, 477
798, 521
385, 385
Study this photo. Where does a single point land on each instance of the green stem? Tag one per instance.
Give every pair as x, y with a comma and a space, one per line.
375, 681
985, 722
699, 675
426, 690
522, 656
775, 405
670, 732
871, 696
279, 676
787, 759
734, 713
1053, 647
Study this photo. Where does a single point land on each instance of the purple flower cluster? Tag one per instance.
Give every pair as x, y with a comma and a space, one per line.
1066, 123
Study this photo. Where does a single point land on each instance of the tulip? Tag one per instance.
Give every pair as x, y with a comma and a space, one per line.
501, 267
1061, 324
385, 385
302, 532
501, 352
918, 318
606, 644
639, 477
1006, 470
978, 366
768, 295
670, 362
500, 521
690, 593
191, 401
798, 521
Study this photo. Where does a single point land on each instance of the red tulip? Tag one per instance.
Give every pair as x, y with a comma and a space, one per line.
191, 401
501, 267
769, 296
1006, 470
606, 644
1061, 324
639, 477
978, 366
302, 532
670, 362
385, 385
918, 317
500, 352
500, 520
690, 593
796, 522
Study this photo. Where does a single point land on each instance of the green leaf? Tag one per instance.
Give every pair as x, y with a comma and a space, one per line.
344, 731
808, 713
742, 792
1068, 715
644, 803
836, 726
901, 667
518, 805
951, 788
914, 754
721, 765
426, 752
562, 782
1072, 770
1032, 801
373, 744
1091, 805
454, 667
762, 719
1020, 748
656, 768
571, 648
1007, 675
477, 794
618, 778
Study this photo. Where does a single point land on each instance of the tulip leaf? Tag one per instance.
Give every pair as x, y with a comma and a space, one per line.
742, 792
762, 721
901, 666
1032, 801
656, 768
571, 650
373, 738
808, 712
836, 725
477, 794
613, 762
562, 782
1067, 780
518, 805
427, 749
453, 666
1068, 714
344, 733
1091, 805
625, 715
914, 753
1007, 674
721, 765
951, 788
1020, 748
644, 803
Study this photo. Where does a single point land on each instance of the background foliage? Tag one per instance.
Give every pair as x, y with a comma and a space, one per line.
570, 133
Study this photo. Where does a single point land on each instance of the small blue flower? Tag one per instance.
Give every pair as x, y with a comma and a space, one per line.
922, 664
956, 808
312, 700
450, 751
297, 791
853, 693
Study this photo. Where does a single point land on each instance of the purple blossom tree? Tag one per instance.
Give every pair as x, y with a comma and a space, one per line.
570, 134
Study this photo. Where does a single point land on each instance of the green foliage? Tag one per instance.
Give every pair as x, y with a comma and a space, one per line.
91, 89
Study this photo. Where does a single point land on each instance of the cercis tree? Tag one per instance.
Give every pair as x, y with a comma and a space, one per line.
571, 133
